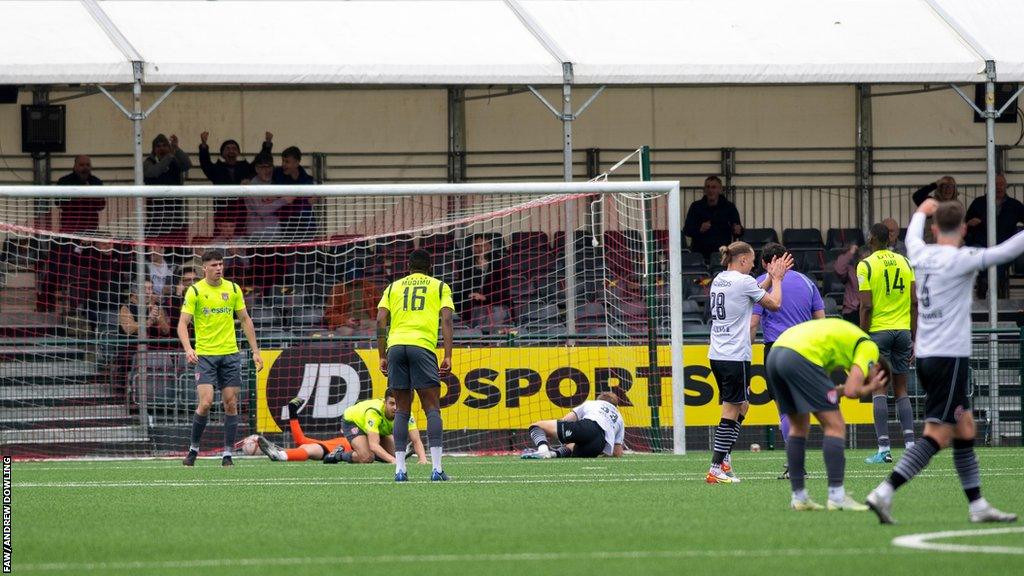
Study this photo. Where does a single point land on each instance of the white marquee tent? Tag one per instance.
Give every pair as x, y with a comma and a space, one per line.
466, 42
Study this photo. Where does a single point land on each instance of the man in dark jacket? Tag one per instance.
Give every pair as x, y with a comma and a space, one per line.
166, 166
229, 170
297, 221
712, 221
1009, 213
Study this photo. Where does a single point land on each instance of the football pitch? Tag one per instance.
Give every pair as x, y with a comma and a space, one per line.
642, 514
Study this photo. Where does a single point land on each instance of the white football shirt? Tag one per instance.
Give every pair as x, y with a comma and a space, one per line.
731, 303
607, 417
945, 280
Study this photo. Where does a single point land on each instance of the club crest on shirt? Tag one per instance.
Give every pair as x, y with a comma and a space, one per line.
832, 396
224, 296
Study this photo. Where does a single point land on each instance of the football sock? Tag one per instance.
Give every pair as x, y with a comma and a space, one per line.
905, 413
914, 460
295, 455
297, 436
881, 411
796, 452
538, 436
198, 425
784, 426
563, 452
435, 435
401, 434
725, 436
835, 462
966, 463
230, 430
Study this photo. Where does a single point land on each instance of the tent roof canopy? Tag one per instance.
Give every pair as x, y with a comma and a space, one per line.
484, 42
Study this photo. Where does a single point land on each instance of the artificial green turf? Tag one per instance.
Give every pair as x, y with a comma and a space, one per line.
638, 515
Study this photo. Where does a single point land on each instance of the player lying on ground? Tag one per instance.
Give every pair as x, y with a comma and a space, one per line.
943, 350
798, 370
592, 429
367, 436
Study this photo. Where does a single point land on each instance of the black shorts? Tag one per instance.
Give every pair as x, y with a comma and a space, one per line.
412, 368
799, 385
220, 371
350, 429
945, 381
896, 346
586, 436
732, 377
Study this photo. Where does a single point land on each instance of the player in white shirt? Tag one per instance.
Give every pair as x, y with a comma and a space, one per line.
731, 302
594, 428
946, 274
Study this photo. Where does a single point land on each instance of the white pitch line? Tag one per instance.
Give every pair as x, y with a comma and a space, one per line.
378, 560
539, 479
924, 541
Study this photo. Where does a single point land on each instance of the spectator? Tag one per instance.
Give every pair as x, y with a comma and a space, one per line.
80, 214
167, 166
229, 170
296, 218
177, 298
895, 244
263, 224
484, 282
846, 270
712, 221
352, 307
77, 215
942, 189
159, 271
157, 323
1009, 213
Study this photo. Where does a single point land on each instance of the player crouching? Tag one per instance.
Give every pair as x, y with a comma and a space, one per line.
366, 426
589, 430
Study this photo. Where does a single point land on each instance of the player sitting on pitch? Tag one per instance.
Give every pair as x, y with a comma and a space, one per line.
370, 440
589, 430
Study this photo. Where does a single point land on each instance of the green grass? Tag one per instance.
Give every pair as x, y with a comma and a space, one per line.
638, 515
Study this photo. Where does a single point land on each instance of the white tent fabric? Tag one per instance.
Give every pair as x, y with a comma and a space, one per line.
57, 43
997, 26
618, 42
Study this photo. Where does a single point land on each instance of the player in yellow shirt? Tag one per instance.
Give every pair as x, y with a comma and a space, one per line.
214, 302
798, 369
888, 312
366, 436
407, 321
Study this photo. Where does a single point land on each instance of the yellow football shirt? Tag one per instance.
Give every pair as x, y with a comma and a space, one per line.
369, 416
887, 275
830, 343
213, 315
414, 304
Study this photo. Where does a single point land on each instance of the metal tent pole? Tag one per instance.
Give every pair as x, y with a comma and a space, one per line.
570, 206
140, 250
990, 216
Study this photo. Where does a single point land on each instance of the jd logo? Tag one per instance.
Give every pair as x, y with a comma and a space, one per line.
328, 377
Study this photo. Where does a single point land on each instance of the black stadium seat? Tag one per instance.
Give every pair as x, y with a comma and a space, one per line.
843, 237
802, 238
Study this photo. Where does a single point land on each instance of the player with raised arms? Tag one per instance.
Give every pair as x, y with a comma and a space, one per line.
407, 321
214, 302
731, 303
798, 368
594, 428
943, 350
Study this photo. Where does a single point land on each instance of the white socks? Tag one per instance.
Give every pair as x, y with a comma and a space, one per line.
399, 461
836, 493
978, 505
435, 458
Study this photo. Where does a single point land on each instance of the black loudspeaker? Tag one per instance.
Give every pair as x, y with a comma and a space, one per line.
43, 128
8, 94
1003, 92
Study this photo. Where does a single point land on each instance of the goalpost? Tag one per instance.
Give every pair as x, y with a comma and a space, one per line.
87, 370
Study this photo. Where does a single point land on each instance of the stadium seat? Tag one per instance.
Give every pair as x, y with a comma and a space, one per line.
538, 312
439, 245
491, 319
529, 242
693, 264
802, 238
759, 237
843, 237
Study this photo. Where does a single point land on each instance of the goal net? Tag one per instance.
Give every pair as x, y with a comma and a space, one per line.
560, 294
